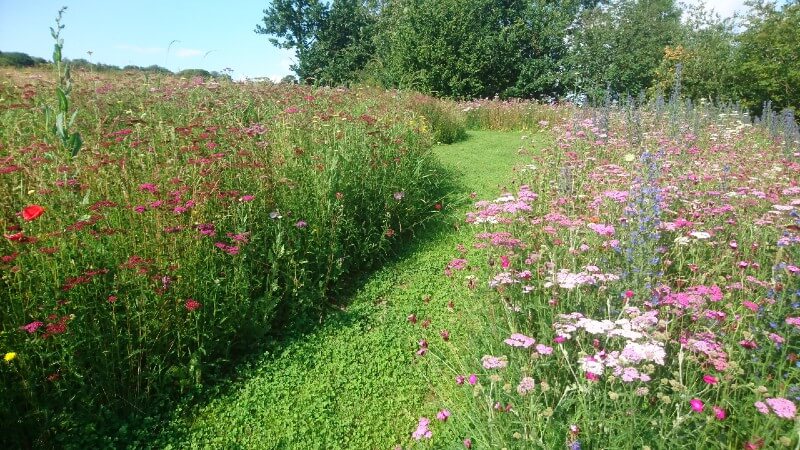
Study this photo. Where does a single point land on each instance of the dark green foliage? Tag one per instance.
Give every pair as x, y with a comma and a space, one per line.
475, 48
769, 56
619, 46
17, 59
194, 73
706, 54
332, 42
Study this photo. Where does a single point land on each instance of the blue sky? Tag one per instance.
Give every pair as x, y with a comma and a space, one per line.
140, 33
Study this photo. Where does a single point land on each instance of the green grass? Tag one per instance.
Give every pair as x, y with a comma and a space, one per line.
354, 380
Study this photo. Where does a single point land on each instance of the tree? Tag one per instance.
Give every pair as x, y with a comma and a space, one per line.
332, 42
16, 59
473, 48
619, 45
706, 55
769, 55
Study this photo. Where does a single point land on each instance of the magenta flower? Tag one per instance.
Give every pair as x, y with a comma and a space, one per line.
505, 262
697, 404
31, 327
719, 413
443, 415
473, 379
710, 379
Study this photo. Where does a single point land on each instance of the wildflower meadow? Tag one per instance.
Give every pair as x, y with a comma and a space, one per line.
194, 262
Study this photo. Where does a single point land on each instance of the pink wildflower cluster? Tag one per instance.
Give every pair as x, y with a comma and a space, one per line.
639, 346
588, 277
781, 407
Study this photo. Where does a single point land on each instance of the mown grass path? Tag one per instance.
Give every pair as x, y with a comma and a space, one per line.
355, 381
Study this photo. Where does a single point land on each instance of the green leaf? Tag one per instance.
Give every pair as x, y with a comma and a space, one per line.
60, 126
72, 119
75, 143
63, 103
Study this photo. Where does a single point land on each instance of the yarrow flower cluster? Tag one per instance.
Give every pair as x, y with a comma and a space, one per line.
781, 407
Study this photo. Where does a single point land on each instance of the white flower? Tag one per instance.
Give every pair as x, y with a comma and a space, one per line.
700, 234
681, 240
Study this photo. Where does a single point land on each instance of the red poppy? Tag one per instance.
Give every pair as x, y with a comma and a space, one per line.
32, 212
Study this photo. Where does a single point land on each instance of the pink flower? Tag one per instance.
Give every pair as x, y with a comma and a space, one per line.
719, 413
761, 407
460, 379
543, 349
468, 443
473, 379
423, 348
494, 362
697, 404
422, 430
31, 327
776, 338
783, 408
750, 305
559, 339
520, 340
505, 261
710, 379
748, 344
443, 415
192, 304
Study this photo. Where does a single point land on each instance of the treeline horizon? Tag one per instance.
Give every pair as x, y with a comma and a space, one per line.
21, 60
544, 49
